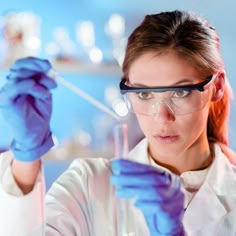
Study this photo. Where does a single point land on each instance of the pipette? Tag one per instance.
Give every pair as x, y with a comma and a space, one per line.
53, 74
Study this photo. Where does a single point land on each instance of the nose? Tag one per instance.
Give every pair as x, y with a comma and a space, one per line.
163, 112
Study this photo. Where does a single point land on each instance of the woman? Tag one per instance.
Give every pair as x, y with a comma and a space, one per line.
178, 180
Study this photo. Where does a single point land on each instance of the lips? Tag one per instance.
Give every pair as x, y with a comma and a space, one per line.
166, 139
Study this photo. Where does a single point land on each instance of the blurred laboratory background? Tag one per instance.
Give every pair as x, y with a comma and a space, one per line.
85, 41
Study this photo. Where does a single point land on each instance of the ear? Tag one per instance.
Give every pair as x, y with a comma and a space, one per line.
219, 87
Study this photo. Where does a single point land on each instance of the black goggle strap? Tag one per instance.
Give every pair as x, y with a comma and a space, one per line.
200, 87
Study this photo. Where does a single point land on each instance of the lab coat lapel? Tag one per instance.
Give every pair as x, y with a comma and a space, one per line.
218, 189
203, 210
140, 153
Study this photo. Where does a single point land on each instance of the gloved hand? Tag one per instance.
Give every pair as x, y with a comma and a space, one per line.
157, 194
26, 104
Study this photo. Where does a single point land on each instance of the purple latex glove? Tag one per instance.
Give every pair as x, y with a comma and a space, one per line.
157, 194
26, 104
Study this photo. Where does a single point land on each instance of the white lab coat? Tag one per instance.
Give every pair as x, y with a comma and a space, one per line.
82, 203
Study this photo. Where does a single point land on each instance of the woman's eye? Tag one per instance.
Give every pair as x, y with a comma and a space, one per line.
181, 94
144, 95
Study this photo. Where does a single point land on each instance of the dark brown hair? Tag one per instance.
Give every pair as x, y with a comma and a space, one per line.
192, 38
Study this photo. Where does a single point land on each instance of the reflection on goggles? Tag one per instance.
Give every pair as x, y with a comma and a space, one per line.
179, 103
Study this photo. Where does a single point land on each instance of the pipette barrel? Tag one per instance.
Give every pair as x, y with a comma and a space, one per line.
54, 75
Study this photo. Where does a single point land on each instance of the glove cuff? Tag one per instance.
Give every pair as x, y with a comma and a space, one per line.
32, 154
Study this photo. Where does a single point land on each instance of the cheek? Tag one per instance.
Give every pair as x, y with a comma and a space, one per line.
193, 125
146, 124
187, 125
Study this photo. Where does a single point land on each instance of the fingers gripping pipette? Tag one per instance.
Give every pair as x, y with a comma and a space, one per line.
53, 74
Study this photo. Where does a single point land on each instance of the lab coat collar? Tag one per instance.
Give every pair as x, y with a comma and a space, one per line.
140, 152
218, 189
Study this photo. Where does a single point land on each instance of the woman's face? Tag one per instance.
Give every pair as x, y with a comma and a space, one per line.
170, 135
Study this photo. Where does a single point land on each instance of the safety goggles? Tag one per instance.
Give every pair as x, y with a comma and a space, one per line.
180, 100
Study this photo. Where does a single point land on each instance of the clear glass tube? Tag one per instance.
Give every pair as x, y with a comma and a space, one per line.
121, 141
124, 227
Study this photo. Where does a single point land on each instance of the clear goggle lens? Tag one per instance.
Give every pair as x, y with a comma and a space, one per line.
179, 102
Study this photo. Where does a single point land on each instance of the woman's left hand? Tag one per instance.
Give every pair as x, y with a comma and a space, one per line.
157, 194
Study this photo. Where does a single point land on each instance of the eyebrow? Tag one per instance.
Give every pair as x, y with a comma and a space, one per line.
184, 81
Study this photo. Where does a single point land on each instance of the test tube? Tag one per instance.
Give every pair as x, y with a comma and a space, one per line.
121, 141
121, 151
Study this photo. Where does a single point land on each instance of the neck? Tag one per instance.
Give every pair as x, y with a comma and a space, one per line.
194, 158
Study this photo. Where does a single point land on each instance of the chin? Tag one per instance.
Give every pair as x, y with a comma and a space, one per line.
165, 150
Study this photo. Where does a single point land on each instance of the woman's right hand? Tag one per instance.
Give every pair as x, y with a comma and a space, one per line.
157, 193
26, 104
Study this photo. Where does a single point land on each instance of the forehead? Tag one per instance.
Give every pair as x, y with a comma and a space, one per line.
164, 69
